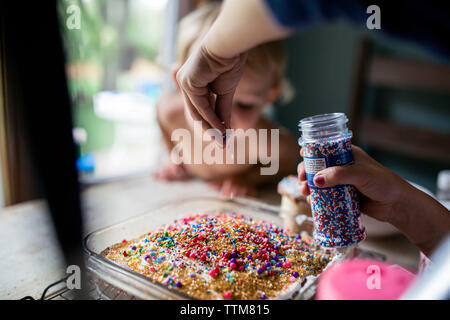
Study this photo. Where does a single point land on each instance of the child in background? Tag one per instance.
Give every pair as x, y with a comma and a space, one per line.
259, 87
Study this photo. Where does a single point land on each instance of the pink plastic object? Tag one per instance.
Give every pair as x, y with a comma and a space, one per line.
361, 279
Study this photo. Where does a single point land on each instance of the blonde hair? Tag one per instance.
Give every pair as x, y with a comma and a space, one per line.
194, 26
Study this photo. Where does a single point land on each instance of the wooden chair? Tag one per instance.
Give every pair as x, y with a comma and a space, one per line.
396, 73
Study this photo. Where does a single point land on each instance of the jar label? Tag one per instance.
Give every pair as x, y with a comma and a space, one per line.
314, 165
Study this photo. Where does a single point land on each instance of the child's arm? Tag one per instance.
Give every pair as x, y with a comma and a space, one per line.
387, 197
167, 111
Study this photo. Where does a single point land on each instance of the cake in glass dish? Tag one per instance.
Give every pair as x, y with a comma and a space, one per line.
223, 256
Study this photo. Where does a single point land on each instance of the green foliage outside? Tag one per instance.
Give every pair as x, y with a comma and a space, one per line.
109, 30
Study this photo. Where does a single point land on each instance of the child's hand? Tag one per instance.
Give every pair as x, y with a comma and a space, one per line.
233, 187
171, 172
382, 189
387, 197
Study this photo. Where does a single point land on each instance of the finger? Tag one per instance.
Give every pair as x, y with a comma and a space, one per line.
301, 171
355, 175
243, 191
171, 173
212, 99
193, 112
161, 173
179, 172
206, 128
237, 191
201, 104
223, 108
215, 184
226, 188
184, 175
214, 187
301, 152
304, 189
163, 176
194, 115
358, 152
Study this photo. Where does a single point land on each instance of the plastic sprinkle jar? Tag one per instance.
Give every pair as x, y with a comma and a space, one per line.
326, 142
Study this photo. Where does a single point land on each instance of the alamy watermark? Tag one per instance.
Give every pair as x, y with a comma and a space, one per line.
242, 147
374, 280
374, 20
73, 21
73, 281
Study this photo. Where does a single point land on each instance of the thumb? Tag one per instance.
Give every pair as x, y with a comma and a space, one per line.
350, 174
223, 108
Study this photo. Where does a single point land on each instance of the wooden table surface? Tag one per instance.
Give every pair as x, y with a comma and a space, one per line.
31, 259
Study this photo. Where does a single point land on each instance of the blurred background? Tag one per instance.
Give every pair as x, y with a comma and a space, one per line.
340, 68
119, 60
116, 64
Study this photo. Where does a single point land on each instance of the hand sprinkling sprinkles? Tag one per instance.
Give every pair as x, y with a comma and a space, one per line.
222, 256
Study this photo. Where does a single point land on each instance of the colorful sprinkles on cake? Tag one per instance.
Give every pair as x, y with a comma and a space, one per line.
335, 210
222, 256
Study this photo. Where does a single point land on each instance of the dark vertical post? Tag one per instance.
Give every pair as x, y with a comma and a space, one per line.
31, 35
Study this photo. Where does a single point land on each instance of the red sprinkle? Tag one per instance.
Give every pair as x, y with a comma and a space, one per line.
212, 273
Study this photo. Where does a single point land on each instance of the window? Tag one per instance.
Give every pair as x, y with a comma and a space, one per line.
119, 54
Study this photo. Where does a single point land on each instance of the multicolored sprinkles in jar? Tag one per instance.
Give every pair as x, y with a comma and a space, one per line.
326, 142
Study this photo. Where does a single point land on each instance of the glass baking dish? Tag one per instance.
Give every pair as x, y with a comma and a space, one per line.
114, 281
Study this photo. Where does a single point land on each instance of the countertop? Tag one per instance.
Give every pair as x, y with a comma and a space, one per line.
31, 258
